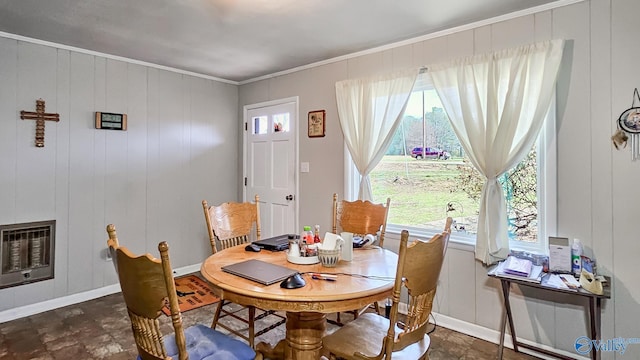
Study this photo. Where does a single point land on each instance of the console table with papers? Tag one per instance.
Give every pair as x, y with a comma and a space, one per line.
594, 308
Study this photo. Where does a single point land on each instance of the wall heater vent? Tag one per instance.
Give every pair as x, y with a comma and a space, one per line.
27, 252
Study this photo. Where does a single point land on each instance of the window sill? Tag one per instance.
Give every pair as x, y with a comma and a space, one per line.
458, 241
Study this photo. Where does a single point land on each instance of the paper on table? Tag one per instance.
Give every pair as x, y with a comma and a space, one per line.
570, 281
555, 281
330, 241
559, 254
535, 276
517, 266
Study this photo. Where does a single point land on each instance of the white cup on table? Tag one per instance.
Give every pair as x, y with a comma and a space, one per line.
347, 246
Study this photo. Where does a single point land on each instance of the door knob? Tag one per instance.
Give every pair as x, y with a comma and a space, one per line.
289, 197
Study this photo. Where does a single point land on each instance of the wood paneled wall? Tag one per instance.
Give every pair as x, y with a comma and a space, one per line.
180, 148
596, 202
183, 145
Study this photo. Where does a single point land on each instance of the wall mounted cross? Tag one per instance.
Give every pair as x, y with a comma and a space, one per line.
40, 117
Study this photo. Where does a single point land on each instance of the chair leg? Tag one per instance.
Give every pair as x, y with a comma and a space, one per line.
338, 322
216, 316
252, 316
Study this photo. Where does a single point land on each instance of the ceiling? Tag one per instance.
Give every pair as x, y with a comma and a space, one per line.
238, 40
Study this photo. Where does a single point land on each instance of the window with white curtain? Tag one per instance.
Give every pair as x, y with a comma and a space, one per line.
427, 176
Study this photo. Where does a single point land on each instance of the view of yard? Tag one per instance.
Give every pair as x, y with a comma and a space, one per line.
420, 191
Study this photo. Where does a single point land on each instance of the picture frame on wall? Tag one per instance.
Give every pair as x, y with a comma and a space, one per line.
316, 123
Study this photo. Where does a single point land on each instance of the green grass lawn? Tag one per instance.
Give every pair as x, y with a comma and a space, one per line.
420, 189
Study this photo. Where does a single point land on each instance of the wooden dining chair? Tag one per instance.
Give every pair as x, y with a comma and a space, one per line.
372, 336
147, 285
230, 224
360, 218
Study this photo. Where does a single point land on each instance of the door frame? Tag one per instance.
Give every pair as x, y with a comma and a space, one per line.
296, 139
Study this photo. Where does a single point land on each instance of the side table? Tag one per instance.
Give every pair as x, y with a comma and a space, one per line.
594, 308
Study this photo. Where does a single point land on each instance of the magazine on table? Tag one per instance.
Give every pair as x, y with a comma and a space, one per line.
561, 281
517, 266
534, 275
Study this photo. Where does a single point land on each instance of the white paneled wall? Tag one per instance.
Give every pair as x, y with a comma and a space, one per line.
622, 242
180, 148
184, 144
596, 200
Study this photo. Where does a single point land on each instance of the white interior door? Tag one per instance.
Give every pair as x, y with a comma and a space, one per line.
270, 163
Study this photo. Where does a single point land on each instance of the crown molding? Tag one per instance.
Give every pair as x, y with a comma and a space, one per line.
470, 26
113, 57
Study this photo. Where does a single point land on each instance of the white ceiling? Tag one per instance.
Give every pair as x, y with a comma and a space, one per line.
238, 40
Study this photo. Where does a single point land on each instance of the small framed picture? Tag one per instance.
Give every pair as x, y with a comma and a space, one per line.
316, 123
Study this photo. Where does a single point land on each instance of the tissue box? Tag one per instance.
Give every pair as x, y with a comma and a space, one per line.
559, 255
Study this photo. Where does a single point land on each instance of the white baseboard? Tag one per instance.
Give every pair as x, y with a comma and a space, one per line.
487, 334
32, 309
187, 270
493, 336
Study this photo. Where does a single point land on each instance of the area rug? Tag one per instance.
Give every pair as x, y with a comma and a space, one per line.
193, 293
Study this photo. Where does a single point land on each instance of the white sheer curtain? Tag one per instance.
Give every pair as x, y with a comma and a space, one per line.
497, 104
369, 110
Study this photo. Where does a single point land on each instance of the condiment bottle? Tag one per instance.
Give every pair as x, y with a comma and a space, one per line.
316, 234
306, 238
307, 235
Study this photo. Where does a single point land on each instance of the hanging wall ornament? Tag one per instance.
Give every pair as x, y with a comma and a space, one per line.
629, 123
620, 139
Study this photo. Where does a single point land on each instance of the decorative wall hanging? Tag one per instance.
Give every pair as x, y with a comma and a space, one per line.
111, 121
316, 123
40, 117
629, 126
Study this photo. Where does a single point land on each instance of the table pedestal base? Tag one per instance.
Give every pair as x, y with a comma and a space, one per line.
304, 338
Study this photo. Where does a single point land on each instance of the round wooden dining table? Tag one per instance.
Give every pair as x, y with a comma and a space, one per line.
366, 279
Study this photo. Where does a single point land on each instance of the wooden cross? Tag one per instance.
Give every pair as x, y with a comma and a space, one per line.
40, 117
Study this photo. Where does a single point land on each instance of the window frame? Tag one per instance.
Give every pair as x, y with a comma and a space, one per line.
546, 187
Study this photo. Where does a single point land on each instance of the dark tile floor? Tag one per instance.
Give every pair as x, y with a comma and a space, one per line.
100, 329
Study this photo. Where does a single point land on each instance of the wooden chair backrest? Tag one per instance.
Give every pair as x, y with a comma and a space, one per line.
231, 223
146, 284
360, 217
419, 265
112, 245
447, 233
